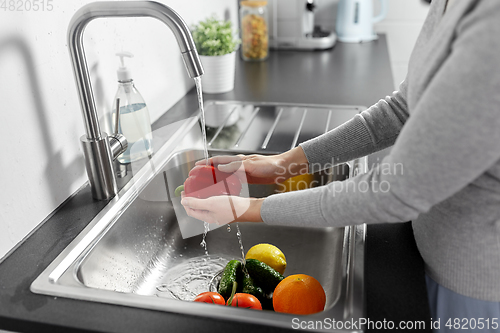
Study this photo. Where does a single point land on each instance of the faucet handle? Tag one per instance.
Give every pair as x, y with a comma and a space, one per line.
118, 144
117, 115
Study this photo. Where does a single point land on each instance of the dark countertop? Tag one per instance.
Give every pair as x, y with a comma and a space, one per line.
350, 74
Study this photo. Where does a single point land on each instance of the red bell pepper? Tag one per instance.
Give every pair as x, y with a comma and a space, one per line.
206, 181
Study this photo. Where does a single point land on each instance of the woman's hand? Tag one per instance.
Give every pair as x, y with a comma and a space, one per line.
223, 209
258, 169
252, 169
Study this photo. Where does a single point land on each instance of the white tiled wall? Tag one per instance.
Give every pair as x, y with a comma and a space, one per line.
42, 163
401, 25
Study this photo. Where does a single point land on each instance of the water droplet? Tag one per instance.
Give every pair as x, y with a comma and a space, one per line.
203, 242
238, 234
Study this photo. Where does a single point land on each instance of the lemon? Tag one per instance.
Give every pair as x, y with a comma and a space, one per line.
297, 183
268, 254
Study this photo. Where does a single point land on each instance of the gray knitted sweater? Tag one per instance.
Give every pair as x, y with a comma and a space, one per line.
444, 174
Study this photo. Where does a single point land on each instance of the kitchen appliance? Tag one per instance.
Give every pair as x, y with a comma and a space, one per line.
291, 26
355, 20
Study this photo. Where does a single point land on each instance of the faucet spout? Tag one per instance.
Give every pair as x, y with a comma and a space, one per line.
102, 9
98, 153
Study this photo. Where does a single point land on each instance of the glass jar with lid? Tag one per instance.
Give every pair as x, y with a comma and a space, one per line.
254, 30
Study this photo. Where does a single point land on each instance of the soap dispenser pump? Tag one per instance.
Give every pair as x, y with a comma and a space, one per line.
133, 118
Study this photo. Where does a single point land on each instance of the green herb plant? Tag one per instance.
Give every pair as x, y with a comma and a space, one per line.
214, 37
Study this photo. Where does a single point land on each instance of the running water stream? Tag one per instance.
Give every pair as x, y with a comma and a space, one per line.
238, 234
203, 243
197, 81
193, 276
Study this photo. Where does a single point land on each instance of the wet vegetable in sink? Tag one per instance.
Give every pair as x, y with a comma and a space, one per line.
256, 285
210, 297
205, 181
243, 300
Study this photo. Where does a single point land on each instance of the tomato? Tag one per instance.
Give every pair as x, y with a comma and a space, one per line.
242, 300
210, 297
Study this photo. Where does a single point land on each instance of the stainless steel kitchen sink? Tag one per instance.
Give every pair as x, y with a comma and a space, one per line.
133, 252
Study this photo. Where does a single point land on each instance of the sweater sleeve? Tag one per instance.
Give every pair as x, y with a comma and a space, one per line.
372, 130
451, 138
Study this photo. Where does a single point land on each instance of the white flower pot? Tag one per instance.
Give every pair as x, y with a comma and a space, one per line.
219, 73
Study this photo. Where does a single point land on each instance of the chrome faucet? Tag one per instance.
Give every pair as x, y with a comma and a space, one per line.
99, 149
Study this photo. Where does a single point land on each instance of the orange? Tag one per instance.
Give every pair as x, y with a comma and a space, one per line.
299, 294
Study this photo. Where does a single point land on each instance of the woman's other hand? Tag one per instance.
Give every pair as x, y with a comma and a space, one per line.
259, 169
223, 209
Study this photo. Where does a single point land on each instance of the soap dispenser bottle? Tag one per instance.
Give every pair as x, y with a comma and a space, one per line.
133, 119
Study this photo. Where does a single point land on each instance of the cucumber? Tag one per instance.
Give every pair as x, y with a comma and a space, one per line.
263, 275
267, 302
249, 287
231, 273
179, 190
